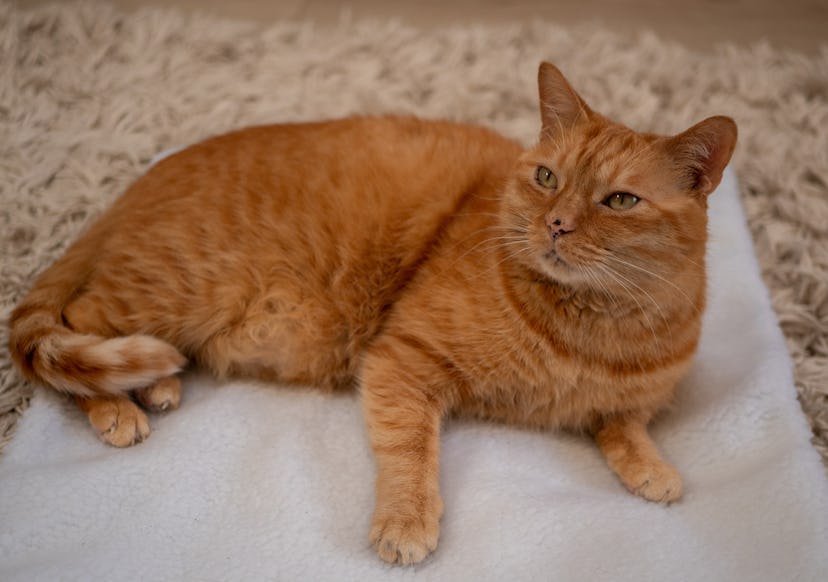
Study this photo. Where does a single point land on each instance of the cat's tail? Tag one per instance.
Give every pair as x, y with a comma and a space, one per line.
47, 351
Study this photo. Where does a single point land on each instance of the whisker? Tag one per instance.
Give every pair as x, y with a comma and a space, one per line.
495, 239
599, 284
494, 228
609, 272
651, 298
509, 257
510, 236
615, 276
657, 276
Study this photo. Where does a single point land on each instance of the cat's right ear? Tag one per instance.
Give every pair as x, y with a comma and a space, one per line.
702, 152
560, 106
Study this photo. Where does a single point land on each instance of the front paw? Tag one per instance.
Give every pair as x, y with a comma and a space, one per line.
405, 539
654, 481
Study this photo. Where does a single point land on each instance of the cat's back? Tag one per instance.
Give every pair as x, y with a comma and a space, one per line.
331, 160
324, 197
358, 176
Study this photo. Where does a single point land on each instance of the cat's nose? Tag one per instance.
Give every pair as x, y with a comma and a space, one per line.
557, 226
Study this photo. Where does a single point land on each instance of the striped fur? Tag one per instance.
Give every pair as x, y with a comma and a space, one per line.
422, 261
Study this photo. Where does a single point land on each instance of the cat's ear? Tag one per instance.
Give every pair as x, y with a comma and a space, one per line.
561, 107
702, 153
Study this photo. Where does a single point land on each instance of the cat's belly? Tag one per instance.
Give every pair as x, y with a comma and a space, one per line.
288, 334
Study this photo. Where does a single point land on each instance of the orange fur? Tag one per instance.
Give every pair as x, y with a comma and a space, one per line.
423, 261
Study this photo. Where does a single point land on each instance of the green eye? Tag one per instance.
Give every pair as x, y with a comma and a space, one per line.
621, 201
546, 178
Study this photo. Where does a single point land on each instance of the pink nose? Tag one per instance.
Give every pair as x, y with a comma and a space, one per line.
558, 226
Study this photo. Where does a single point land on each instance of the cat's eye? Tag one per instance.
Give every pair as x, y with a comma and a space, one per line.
621, 200
546, 178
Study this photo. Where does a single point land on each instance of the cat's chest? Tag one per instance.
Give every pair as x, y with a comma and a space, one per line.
550, 378
559, 394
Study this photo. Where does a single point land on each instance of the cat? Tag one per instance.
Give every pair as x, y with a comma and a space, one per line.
438, 267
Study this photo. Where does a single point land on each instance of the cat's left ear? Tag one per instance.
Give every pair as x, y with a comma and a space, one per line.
561, 107
702, 153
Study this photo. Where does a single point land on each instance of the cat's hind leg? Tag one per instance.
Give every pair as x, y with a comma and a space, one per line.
162, 396
117, 419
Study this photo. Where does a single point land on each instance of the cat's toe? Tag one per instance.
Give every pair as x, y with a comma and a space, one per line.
403, 540
161, 396
657, 482
119, 422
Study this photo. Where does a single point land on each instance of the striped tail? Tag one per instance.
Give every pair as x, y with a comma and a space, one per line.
45, 350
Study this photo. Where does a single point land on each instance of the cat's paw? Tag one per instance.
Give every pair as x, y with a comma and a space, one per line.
657, 482
119, 421
405, 539
161, 396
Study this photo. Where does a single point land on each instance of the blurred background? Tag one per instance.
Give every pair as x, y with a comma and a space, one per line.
797, 24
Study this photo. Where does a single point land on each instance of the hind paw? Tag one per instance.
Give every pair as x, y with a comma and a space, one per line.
163, 395
119, 421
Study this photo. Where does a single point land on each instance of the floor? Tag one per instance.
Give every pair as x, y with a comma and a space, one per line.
796, 24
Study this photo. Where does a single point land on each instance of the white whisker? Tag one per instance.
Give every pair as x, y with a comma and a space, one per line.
606, 269
599, 284
656, 276
509, 257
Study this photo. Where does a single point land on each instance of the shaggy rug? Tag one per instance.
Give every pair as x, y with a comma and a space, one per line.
89, 94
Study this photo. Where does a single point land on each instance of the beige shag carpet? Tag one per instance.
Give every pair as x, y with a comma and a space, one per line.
89, 94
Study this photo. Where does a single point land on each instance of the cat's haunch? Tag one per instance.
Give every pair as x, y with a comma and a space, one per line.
441, 268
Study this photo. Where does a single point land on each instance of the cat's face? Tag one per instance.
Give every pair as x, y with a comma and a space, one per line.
595, 203
599, 202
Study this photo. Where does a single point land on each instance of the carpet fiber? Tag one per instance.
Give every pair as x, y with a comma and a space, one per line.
88, 95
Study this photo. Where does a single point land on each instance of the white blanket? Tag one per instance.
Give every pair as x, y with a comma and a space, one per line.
255, 482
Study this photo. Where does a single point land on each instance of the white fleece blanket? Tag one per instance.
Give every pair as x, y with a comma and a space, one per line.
253, 482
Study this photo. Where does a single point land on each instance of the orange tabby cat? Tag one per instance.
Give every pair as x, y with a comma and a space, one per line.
441, 268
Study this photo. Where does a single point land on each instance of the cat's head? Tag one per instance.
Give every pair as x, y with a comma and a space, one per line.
595, 201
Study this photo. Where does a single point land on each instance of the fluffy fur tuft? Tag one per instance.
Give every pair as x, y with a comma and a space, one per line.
89, 365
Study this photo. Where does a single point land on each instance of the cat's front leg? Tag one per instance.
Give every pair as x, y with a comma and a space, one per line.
403, 414
632, 455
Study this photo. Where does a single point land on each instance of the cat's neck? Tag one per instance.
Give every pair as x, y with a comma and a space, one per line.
539, 292
659, 300
592, 324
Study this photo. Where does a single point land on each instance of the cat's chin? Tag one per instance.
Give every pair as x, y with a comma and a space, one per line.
555, 268
554, 260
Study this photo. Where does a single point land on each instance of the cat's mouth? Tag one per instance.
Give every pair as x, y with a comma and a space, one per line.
557, 253
558, 260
